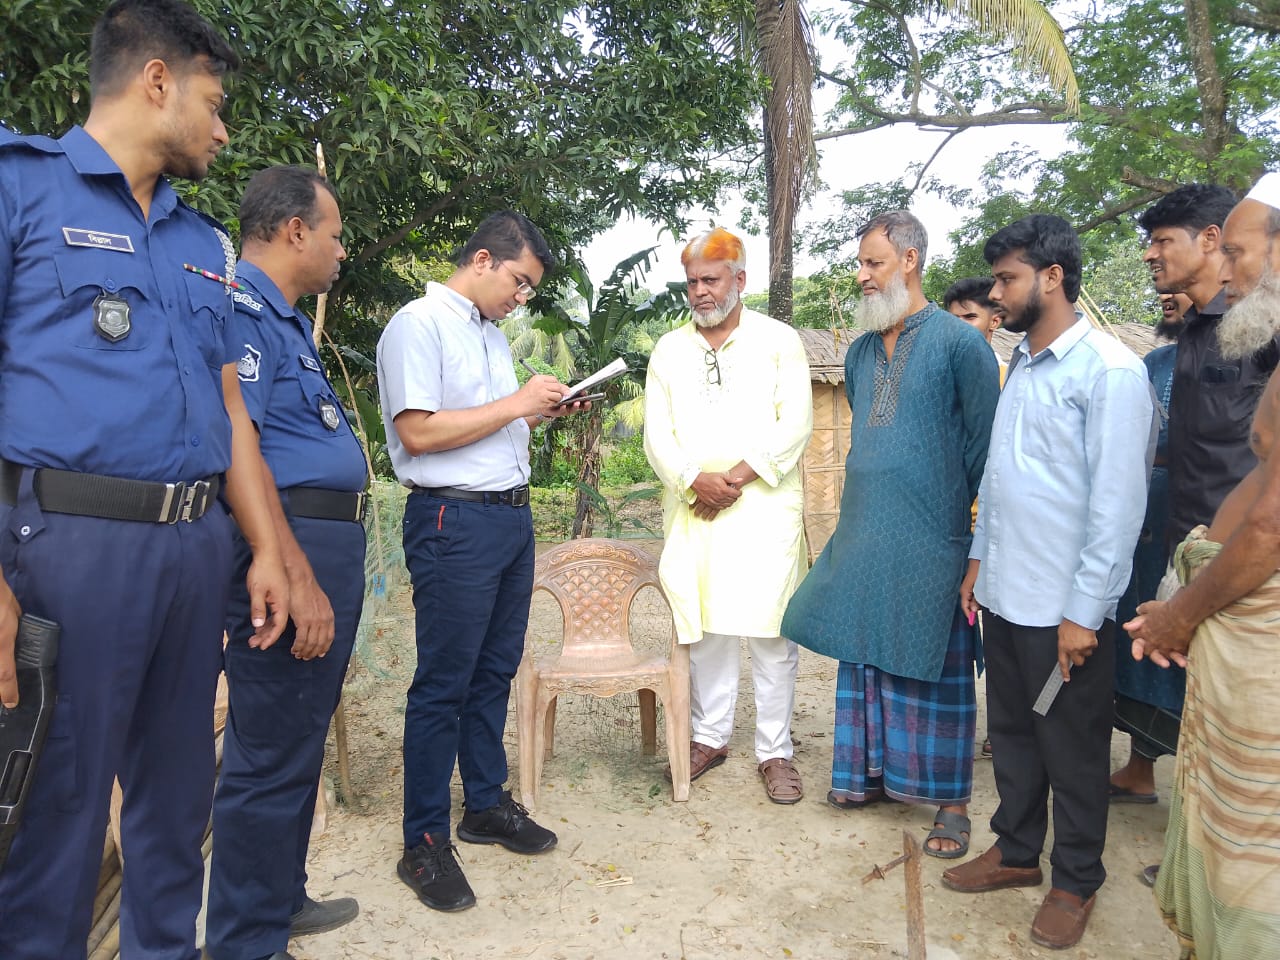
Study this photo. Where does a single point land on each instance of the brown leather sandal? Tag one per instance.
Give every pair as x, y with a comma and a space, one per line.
701, 759
781, 780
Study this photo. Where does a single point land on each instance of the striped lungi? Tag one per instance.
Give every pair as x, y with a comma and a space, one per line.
1219, 883
910, 738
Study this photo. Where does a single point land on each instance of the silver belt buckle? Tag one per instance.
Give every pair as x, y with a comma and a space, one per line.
188, 498
362, 503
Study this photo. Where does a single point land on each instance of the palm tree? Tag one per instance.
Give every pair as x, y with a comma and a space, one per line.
784, 52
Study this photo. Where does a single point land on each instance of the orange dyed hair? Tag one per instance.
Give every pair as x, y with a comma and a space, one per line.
716, 244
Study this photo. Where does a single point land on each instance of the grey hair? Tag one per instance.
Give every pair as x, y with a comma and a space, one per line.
903, 230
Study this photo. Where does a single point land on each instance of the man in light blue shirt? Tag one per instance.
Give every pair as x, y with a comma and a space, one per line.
1059, 511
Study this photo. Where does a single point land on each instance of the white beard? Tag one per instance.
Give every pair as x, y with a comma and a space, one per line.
719, 314
1254, 319
884, 310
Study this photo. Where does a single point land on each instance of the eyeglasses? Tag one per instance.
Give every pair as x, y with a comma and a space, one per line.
523, 287
712, 360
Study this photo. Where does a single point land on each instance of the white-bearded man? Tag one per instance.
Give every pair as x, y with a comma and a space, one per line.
1219, 883
728, 412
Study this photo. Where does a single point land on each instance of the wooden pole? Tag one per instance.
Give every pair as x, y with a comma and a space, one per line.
915, 897
322, 301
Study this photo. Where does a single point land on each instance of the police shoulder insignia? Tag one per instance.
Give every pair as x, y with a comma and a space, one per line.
247, 367
243, 298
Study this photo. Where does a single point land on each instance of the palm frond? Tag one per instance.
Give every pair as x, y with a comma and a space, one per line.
630, 412
1030, 25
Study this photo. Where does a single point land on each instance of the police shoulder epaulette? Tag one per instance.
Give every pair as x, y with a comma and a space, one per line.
245, 299
9, 139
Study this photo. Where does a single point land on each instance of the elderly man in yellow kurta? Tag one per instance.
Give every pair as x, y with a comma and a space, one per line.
728, 411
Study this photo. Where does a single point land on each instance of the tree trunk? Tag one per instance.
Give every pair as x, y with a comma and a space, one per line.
780, 271
588, 475
1204, 64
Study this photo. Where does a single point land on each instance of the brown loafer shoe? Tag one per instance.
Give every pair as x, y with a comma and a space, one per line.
1061, 919
988, 873
781, 780
701, 759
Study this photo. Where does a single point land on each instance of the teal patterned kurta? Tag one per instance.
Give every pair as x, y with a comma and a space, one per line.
885, 588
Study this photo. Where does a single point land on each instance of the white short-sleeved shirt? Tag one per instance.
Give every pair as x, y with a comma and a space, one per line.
437, 353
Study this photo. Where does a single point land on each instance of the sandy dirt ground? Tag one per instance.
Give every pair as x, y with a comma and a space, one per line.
727, 874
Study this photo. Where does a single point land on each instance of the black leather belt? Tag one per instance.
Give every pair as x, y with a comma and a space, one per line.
515, 497
325, 504
112, 498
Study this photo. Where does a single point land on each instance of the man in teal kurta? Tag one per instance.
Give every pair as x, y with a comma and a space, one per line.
881, 598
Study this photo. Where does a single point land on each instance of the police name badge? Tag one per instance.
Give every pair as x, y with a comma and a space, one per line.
329, 414
111, 317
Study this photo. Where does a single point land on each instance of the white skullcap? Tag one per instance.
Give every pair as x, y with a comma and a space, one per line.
1267, 190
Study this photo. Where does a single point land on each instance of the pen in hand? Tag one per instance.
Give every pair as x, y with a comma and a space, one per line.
528, 366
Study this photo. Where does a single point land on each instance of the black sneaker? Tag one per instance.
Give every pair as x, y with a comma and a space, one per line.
432, 872
508, 824
322, 916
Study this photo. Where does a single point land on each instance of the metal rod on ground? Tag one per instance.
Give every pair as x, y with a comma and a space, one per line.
915, 897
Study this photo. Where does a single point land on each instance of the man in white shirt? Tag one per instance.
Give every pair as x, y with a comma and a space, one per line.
458, 427
728, 412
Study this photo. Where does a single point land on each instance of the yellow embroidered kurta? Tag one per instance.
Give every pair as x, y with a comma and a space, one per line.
734, 574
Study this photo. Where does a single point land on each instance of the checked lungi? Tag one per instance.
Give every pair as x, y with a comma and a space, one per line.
910, 738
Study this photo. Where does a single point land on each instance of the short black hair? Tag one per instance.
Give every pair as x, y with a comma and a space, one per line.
1192, 207
1040, 240
131, 32
970, 290
276, 195
506, 235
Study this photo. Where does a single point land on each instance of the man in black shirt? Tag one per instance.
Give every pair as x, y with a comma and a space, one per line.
1210, 410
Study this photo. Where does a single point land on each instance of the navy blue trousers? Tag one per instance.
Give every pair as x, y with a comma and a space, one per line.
140, 606
472, 570
277, 721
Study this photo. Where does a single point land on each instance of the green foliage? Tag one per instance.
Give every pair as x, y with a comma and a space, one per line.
432, 115
1120, 284
821, 301
1150, 118
598, 325
625, 463
608, 513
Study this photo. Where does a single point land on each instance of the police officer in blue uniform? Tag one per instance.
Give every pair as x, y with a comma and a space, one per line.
281, 699
119, 411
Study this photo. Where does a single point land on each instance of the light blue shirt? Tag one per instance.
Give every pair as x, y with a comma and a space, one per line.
437, 353
1065, 487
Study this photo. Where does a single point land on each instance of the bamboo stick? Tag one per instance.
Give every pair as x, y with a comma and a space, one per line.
915, 897
322, 301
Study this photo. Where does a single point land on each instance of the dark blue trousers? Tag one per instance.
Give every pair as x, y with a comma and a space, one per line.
140, 605
278, 717
472, 570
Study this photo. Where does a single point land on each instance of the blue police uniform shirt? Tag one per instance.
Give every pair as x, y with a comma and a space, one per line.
74, 246
305, 436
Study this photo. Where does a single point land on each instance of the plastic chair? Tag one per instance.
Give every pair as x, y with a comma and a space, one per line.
595, 582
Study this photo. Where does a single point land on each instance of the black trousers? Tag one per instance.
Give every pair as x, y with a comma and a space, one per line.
1069, 751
